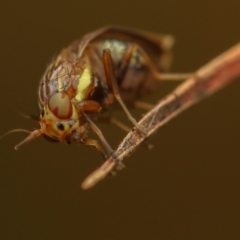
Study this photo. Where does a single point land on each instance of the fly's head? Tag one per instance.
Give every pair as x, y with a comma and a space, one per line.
59, 117
59, 121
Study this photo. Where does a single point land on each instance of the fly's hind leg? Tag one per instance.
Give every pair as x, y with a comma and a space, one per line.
112, 83
162, 76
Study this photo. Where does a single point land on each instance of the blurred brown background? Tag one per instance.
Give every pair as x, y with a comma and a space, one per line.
187, 187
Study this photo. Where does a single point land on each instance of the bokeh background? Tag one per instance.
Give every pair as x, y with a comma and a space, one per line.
187, 187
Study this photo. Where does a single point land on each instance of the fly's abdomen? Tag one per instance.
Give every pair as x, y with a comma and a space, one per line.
119, 50
135, 80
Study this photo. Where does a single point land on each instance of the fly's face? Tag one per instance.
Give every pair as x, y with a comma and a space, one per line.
59, 117
59, 121
61, 95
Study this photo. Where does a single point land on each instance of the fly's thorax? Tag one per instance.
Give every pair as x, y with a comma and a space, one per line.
59, 118
73, 77
85, 84
117, 47
62, 75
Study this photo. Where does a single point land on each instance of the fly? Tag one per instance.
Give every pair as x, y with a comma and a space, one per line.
87, 77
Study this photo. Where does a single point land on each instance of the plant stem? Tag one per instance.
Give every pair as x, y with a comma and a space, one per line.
206, 81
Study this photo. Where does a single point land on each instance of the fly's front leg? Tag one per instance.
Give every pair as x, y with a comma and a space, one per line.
92, 142
89, 106
94, 127
112, 83
93, 107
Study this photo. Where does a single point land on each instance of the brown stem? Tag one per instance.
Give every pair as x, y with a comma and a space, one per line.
206, 81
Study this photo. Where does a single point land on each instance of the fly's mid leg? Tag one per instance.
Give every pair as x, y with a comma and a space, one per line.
112, 83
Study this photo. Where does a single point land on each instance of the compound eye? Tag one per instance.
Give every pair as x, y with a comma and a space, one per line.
60, 105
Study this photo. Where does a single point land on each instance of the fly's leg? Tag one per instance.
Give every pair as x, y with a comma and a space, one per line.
120, 76
110, 119
125, 128
89, 106
120, 125
162, 76
138, 104
92, 142
112, 83
94, 127
155, 72
93, 106
121, 72
128, 129
99, 133
143, 105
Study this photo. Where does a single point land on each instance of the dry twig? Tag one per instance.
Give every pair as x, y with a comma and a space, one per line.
206, 81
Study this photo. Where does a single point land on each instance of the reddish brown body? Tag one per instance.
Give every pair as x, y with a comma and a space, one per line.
112, 63
135, 82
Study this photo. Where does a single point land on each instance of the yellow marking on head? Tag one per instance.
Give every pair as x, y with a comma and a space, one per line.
85, 81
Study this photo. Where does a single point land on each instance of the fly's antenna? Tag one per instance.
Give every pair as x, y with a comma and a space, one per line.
24, 115
32, 135
29, 116
13, 131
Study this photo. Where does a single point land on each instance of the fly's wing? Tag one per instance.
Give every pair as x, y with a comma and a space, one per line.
157, 46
